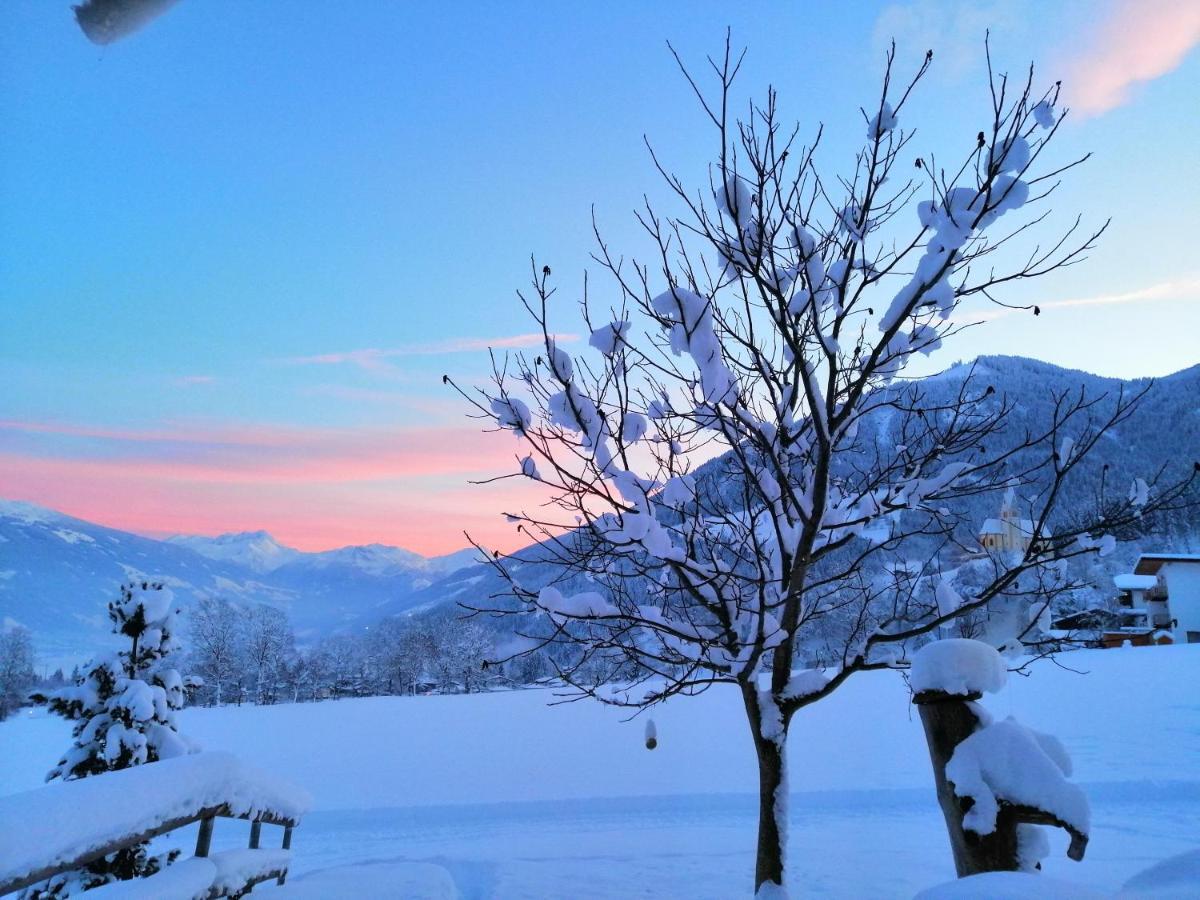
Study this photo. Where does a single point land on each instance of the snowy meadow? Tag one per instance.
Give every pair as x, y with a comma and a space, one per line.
778, 569
501, 795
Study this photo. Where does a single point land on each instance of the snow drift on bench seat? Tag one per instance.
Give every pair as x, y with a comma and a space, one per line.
185, 880
236, 868
66, 819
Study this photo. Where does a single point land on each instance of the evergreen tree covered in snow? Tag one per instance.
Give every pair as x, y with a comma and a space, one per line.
124, 707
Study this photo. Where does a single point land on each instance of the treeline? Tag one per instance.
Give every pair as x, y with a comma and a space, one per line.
249, 655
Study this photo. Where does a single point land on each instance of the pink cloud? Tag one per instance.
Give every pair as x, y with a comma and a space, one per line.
1139, 41
314, 488
374, 359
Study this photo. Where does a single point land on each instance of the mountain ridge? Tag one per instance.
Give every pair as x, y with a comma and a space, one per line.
58, 572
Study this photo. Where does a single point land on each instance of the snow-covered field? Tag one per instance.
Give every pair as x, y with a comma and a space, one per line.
500, 795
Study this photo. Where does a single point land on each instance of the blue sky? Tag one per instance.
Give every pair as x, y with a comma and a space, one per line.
190, 212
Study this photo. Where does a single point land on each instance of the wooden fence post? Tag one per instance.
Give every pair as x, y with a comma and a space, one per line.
204, 836
255, 834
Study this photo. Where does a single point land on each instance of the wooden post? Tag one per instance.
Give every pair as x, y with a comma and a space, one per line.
255, 834
204, 836
948, 721
287, 845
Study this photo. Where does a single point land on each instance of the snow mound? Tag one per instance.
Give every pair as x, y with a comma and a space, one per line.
958, 666
1006, 761
1008, 886
65, 820
1176, 877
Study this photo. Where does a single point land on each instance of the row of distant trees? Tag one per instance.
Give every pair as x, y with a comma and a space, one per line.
249, 655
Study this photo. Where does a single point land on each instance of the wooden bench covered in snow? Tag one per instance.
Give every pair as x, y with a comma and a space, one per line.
65, 825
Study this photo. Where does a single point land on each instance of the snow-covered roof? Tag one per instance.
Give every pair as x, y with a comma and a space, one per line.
1150, 563
1134, 582
65, 820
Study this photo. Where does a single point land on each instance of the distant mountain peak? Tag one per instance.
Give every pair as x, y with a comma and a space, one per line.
28, 512
256, 550
236, 537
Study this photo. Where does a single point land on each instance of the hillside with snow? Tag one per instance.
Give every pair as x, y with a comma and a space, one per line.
57, 573
504, 795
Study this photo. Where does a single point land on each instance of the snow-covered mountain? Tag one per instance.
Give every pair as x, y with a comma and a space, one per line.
255, 550
1164, 430
57, 574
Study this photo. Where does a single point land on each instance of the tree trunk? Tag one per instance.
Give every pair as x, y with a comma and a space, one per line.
772, 799
772, 814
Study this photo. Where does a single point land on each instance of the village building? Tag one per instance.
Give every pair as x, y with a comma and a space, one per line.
1159, 602
1010, 533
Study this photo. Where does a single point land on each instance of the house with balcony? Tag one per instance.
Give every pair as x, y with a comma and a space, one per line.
1158, 602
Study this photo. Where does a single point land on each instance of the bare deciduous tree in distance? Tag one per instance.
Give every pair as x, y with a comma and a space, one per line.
776, 317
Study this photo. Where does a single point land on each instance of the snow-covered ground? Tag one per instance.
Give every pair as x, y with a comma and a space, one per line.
500, 795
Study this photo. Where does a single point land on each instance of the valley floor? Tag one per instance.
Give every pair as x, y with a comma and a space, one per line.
499, 795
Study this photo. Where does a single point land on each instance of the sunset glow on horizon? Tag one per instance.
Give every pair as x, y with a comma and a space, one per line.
241, 248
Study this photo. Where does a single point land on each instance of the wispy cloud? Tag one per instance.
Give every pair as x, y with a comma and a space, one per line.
1187, 287
244, 454
375, 359
192, 380
1138, 41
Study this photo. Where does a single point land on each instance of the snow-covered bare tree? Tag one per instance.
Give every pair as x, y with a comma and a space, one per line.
217, 644
397, 645
124, 708
721, 505
268, 643
463, 652
16, 669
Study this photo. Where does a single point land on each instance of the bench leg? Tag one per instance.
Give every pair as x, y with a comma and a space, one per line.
287, 845
204, 837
